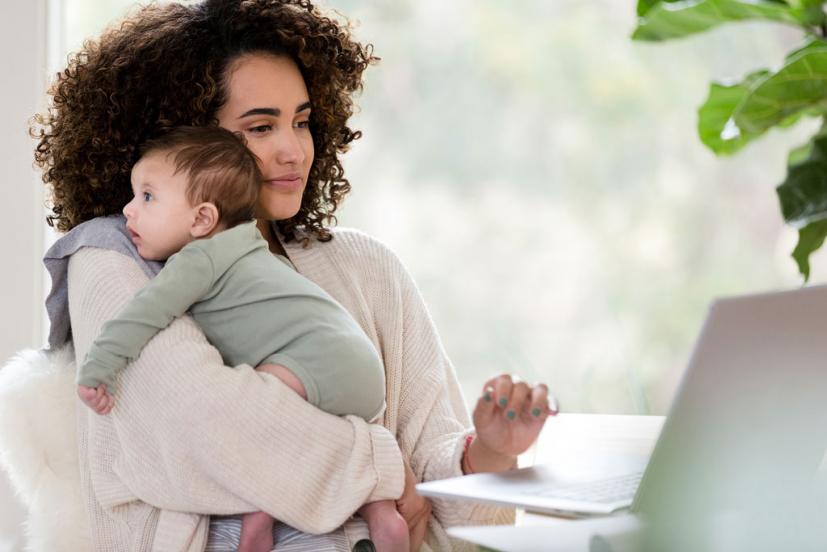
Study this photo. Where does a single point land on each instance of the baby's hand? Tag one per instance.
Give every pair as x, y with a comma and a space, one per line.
97, 398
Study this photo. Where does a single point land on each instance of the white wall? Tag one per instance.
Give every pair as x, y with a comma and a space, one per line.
22, 32
23, 66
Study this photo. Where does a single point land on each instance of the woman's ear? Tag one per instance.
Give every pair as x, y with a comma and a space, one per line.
206, 220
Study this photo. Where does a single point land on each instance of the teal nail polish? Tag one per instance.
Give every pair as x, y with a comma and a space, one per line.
535, 412
503, 401
511, 414
487, 397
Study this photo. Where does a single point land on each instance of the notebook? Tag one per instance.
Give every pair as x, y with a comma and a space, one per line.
746, 434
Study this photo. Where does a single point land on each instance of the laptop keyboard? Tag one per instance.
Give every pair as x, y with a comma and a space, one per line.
600, 491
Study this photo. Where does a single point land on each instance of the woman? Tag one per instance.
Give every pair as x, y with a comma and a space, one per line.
282, 74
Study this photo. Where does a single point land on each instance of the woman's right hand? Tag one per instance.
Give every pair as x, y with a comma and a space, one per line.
508, 418
414, 508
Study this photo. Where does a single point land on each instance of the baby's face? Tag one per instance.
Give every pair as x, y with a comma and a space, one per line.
159, 217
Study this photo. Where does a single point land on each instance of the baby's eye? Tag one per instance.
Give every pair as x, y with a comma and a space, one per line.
147, 196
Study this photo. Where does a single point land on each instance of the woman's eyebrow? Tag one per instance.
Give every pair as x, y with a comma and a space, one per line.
272, 111
261, 111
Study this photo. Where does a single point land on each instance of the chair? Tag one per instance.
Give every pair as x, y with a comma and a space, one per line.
38, 448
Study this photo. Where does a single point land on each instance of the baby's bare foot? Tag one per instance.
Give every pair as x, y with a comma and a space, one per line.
256, 533
391, 538
387, 527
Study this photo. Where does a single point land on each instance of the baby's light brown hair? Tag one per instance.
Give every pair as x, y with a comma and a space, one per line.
219, 168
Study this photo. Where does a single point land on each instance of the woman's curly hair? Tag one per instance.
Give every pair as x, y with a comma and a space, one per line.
165, 66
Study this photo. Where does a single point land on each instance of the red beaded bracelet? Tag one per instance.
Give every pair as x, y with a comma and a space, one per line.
468, 440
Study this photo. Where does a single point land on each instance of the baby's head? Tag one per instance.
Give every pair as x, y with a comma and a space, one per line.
190, 183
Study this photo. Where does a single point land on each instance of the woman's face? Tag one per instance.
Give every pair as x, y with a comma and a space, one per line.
267, 101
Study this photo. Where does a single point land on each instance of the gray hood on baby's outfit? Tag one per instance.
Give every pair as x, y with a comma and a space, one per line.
102, 232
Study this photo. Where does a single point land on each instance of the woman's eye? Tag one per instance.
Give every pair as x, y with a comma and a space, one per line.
260, 129
147, 196
303, 124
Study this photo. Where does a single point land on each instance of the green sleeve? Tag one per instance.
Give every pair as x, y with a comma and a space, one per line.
186, 278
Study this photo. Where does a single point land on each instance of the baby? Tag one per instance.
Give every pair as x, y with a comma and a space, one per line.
195, 190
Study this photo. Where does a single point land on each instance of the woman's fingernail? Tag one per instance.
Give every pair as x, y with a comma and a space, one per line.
487, 396
511, 414
503, 401
553, 405
535, 412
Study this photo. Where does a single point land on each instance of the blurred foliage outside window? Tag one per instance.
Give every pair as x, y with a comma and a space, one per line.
540, 176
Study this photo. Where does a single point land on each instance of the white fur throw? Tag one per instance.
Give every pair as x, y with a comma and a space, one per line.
38, 447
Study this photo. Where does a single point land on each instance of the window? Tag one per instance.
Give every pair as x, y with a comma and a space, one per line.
541, 177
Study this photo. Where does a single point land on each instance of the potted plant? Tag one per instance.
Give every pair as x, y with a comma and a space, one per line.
733, 115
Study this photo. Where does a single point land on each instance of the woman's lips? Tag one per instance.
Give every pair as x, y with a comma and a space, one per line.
287, 183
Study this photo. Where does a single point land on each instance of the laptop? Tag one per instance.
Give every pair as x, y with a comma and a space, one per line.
744, 440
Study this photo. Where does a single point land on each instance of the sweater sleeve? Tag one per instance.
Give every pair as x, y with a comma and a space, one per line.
196, 436
432, 418
184, 280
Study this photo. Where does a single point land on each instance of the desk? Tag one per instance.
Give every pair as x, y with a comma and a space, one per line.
601, 444
595, 433
597, 444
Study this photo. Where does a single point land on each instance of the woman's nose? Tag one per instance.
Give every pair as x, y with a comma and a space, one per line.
290, 150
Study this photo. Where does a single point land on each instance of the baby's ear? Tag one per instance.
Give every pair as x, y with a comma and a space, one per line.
206, 220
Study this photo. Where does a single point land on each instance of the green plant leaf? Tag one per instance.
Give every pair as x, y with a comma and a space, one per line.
665, 20
805, 3
810, 239
811, 44
799, 154
803, 194
803, 197
716, 126
800, 86
643, 6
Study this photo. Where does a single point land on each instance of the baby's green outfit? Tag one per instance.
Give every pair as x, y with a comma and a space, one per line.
254, 308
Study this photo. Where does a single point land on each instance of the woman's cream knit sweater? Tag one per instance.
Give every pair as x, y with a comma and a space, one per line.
190, 437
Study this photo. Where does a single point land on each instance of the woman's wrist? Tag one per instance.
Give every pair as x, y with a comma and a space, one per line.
389, 465
478, 458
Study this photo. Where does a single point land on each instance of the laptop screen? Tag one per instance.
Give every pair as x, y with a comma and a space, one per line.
747, 430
